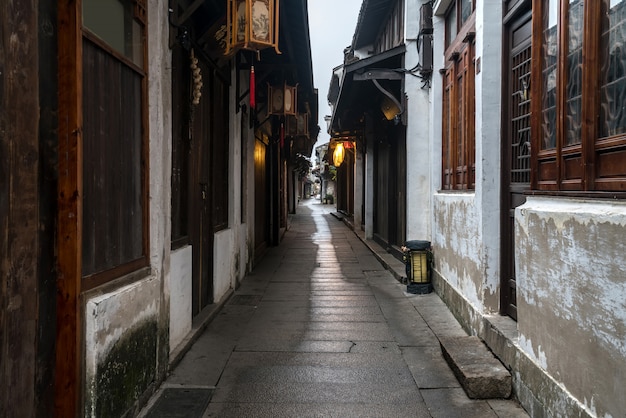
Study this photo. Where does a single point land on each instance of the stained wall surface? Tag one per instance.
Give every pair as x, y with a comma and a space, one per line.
572, 296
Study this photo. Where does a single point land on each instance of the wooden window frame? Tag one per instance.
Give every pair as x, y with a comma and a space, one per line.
595, 167
458, 107
115, 271
70, 283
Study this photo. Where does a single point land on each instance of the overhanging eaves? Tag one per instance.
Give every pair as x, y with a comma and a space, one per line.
386, 66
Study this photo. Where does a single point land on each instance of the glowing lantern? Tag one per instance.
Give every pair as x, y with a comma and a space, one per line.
338, 154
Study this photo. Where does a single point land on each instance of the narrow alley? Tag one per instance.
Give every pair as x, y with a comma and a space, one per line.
320, 328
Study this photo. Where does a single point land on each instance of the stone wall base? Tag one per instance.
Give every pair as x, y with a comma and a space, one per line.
538, 393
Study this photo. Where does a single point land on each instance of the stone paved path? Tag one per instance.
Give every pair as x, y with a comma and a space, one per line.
321, 329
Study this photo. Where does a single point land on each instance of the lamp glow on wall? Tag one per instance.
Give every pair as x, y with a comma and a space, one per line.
252, 24
338, 154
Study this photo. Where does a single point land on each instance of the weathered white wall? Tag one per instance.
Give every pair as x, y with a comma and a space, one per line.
116, 317
466, 226
418, 152
457, 244
180, 295
570, 259
571, 296
488, 69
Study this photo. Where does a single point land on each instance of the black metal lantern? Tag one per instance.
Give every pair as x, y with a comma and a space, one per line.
418, 258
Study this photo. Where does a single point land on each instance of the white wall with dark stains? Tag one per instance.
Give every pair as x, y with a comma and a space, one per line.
571, 296
457, 244
121, 338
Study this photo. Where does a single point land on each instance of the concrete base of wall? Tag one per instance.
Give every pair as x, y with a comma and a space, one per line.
539, 394
200, 322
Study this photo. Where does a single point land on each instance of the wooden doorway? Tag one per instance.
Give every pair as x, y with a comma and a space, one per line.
209, 180
200, 231
515, 146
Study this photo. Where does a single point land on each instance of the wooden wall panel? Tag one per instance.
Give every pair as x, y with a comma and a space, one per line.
19, 159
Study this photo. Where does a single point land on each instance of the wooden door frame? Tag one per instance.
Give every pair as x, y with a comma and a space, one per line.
68, 376
514, 19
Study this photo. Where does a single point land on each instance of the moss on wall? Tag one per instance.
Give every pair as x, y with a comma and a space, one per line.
125, 373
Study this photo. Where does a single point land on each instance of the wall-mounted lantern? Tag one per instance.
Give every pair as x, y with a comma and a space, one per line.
418, 258
282, 100
252, 24
339, 154
390, 108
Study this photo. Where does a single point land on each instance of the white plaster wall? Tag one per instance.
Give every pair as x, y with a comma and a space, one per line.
418, 151
571, 296
488, 148
180, 295
160, 164
244, 255
466, 225
436, 100
225, 257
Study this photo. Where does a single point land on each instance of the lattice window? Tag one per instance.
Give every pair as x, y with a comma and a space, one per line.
579, 122
520, 117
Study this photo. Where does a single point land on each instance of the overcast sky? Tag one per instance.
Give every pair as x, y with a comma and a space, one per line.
332, 24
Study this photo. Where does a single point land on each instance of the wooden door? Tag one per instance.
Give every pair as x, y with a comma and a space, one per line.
200, 232
209, 188
515, 148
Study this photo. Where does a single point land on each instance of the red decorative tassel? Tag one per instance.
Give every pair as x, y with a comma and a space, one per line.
252, 88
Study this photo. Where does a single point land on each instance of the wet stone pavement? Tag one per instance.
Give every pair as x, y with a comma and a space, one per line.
321, 329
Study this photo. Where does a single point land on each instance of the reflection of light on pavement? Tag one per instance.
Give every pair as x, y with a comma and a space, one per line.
326, 255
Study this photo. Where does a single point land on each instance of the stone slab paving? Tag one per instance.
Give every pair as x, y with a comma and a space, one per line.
330, 332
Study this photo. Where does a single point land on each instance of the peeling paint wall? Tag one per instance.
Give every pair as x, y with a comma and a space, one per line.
571, 284
121, 345
457, 244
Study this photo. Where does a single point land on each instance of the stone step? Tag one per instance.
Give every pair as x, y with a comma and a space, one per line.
479, 372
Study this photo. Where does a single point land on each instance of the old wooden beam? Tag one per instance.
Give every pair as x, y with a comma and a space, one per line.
68, 375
